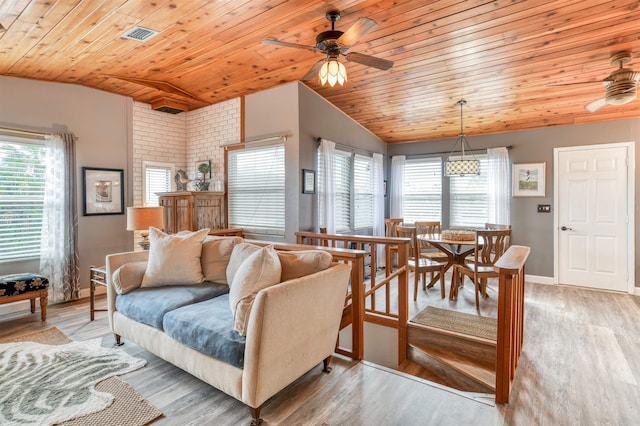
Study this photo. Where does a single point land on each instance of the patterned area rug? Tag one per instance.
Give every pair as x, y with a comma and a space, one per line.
46, 378
458, 322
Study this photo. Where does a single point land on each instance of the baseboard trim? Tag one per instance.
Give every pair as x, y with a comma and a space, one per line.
539, 279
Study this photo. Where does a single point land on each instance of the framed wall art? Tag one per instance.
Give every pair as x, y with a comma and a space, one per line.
102, 191
308, 181
528, 179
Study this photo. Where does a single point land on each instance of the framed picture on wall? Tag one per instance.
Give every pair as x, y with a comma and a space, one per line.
528, 179
102, 191
308, 181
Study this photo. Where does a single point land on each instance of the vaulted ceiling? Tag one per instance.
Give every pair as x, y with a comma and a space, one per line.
514, 62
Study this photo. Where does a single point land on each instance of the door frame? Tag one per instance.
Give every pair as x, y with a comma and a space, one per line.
631, 185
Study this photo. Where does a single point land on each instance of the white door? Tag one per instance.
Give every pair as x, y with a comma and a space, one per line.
593, 226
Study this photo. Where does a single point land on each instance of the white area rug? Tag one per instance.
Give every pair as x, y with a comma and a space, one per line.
47, 384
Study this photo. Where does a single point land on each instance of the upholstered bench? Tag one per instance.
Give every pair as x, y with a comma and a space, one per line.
16, 287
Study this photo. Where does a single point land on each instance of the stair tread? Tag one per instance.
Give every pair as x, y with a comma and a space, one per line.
470, 338
463, 365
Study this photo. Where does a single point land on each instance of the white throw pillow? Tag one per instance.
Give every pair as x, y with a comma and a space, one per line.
216, 253
296, 264
260, 270
238, 255
174, 259
129, 276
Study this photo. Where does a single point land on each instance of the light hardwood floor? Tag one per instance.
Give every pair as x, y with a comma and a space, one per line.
580, 366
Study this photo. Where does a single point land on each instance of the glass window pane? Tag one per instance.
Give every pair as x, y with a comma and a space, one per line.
257, 189
22, 181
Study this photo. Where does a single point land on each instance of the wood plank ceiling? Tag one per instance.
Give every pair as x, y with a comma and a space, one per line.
511, 60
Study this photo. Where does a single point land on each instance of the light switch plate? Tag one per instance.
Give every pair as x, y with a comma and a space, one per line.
544, 208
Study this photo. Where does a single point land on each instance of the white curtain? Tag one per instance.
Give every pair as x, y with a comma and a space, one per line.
327, 189
396, 193
498, 184
377, 180
58, 248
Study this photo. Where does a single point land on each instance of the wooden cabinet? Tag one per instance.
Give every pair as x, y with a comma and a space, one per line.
193, 210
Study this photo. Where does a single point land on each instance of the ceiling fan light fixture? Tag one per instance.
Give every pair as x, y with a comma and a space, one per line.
462, 166
332, 72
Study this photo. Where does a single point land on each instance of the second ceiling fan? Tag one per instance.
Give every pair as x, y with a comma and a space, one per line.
333, 44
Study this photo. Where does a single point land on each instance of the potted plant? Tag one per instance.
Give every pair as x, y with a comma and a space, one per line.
203, 184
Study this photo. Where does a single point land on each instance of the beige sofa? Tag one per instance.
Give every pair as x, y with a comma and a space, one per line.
292, 327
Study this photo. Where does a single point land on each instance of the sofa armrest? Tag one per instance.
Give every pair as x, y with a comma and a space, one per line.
293, 326
113, 262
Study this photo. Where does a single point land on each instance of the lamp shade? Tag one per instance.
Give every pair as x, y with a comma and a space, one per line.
332, 72
462, 168
141, 218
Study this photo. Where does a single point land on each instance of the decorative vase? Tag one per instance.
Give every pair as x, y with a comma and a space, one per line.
201, 184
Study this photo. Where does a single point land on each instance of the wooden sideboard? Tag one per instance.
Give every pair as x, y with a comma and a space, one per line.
193, 210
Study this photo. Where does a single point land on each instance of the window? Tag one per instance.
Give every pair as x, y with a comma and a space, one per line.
426, 191
468, 199
363, 191
22, 180
422, 189
156, 178
257, 189
353, 175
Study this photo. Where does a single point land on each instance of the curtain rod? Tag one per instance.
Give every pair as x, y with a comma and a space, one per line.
449, 152
349, 148
265, 139
26, 132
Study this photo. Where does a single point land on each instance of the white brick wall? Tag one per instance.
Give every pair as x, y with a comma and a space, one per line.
207, 129
183, 138
157, 136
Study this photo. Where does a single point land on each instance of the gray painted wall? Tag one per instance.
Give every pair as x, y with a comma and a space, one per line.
303, 115
101, 123
529, 227
319, 118
275, 112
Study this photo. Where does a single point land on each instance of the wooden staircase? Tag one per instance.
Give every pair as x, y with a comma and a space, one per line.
456, 360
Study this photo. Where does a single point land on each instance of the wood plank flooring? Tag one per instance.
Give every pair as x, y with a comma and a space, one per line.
580, 366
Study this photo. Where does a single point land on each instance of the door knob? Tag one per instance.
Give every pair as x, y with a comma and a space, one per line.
564, 228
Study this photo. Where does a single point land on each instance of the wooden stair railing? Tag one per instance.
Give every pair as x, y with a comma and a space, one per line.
510, 268
358, 310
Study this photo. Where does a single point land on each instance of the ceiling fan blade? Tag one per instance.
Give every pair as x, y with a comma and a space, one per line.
596, 105
370, 61
313, 72
275, 42
357, 30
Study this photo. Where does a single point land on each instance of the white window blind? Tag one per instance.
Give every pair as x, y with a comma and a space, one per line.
363, 191
353, 178
257, 189
342, 176
157, 178
22, 179
422, 189
468, 201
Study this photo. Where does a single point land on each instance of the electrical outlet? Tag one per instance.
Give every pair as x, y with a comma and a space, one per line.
544, 208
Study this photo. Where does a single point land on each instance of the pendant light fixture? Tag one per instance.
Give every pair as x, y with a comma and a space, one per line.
462, 166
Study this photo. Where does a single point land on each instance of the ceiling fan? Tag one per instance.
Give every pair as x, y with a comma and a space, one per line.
620, 86
333, 44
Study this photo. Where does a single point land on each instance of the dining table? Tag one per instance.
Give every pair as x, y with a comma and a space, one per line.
455, 250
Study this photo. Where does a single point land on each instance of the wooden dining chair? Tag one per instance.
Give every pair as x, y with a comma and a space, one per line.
427, 250
489, 246
390, 225
498, 226
418, 264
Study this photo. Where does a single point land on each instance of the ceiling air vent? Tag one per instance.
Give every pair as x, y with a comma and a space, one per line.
139, 34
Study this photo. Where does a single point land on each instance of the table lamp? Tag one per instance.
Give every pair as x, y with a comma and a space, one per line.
141, 218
